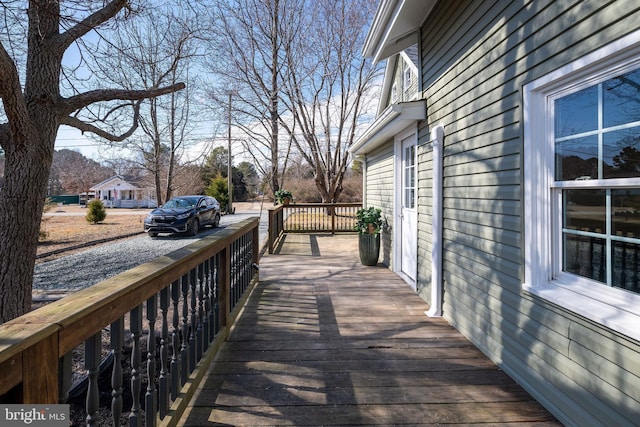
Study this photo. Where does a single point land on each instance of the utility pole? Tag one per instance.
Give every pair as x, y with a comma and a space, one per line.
229, 175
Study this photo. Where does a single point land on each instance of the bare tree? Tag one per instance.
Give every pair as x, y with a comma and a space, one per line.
327, 88
38, 96
247, 53
164, 39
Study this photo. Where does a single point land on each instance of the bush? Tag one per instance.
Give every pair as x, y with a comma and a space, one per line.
219, 188
96, 213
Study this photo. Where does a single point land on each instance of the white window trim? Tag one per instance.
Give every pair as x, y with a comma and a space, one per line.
614, 308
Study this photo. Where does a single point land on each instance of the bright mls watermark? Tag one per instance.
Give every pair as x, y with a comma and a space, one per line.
34, 415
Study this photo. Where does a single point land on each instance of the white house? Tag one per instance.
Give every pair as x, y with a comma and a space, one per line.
118, 192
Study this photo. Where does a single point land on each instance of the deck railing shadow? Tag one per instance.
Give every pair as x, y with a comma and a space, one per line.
173, 312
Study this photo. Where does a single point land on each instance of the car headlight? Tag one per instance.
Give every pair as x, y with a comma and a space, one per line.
183, 216
148, 218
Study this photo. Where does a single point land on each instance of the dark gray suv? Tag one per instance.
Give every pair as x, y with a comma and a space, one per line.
184, 214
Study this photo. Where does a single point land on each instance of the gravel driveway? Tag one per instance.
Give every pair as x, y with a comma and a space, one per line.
89, 267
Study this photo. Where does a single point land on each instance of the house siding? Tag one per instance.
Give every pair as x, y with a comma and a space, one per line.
404, 92
476, 56
379, 193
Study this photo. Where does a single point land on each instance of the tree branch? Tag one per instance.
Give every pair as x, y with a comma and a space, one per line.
15, 106
92, 21
86, 127
82, 100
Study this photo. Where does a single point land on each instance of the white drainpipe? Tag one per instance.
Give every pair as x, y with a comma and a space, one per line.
437, 139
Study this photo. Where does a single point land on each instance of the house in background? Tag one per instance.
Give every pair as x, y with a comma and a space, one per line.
510, 175
118, 192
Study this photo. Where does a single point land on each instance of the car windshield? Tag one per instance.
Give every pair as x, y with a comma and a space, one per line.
180, 203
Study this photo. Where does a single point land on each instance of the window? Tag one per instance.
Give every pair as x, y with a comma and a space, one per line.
582, 186
406, 77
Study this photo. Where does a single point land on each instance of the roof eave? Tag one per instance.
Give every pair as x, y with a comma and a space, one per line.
392, 120
395, 26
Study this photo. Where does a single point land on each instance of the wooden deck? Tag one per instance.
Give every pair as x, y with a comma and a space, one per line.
324, 340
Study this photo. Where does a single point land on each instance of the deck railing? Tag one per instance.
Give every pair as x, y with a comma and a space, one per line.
310, 218
173, 312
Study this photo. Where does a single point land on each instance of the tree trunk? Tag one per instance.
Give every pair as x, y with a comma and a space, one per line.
23, 197
29, 154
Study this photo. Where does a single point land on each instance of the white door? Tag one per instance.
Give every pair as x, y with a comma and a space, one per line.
408, 215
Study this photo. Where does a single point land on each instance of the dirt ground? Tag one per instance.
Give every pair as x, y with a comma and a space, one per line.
66, 227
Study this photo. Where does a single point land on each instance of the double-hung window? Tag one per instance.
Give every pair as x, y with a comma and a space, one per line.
582, 186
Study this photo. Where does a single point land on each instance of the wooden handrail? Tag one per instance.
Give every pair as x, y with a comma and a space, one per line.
310, 218
32, 345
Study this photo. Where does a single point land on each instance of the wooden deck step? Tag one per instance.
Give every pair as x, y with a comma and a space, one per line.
324, 340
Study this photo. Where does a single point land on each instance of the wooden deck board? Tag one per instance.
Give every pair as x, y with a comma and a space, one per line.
324, 340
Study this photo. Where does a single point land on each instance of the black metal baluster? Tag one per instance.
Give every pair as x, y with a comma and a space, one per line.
165, 377
207, 303
193, 324
175, 340
216, 293
135, 320
184, 349
200, 332
151, 397
92, 347
117, 342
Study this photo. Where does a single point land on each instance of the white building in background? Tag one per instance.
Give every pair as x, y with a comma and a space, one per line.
122, 192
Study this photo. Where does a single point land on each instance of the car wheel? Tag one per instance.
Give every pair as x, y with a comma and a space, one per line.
194, 227
216, 221
153, 234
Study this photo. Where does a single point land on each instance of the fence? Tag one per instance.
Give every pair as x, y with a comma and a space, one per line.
311, 218
174, 312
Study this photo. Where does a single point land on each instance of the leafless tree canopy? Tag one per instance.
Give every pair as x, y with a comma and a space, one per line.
164, 51
298, 79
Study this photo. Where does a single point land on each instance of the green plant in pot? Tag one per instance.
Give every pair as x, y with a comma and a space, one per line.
283, 197
369, 224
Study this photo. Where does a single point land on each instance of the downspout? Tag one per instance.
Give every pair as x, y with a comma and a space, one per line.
437, 138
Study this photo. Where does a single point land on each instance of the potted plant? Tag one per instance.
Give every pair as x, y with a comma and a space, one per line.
369, 224
283, 197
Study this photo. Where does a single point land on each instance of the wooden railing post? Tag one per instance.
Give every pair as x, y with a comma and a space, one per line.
40, 371
271, 238
332, 212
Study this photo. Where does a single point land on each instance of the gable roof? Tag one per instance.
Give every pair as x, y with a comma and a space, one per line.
115, 181
395, 27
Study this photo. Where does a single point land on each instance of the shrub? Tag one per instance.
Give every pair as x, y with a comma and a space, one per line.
96, 213
219, 188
